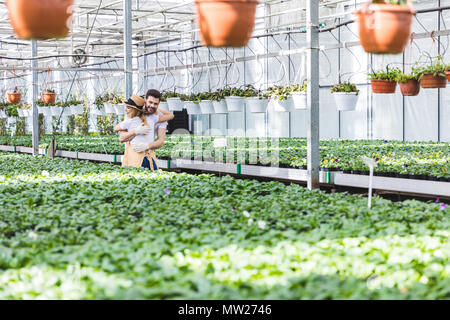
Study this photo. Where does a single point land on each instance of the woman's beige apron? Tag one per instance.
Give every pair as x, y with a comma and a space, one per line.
132, 158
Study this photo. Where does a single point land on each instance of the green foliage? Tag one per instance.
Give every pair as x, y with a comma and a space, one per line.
283, 92
345, 87
403, 77
436, 68
390, 74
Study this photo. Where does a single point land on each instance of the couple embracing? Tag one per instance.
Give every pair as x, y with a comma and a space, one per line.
143, 122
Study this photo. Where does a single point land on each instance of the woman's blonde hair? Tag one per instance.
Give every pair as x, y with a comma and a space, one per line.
140, 114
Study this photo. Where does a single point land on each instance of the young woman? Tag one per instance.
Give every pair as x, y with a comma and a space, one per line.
141, 125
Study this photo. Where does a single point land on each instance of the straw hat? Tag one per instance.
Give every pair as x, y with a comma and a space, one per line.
136, 102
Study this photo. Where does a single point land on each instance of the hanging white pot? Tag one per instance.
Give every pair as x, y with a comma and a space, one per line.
94, 110
119, 109
346, 101
299, 100
284, 105
20, 111
55, 111
192, 108
235, 104
175, 104
28, 112
220, 107
206, 106
77, 109
163, 106
257, 105
109, 108
45, 111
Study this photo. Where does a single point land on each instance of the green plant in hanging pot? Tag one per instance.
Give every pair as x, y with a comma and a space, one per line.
256, 100
432, 76
409, 83
173, 101
384, 81
11, 110
226, 23
219, 103
235, 99
15, 96
298, 94
345, 95
191, 103
385, 26
205, 101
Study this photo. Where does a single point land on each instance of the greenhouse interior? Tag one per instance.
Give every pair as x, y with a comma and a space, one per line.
225, 150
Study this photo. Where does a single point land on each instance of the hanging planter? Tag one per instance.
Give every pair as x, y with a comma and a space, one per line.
235, 104
175, 104
20, 112
220, 107
119, 109
15, 96
45, 111
49, 97
109, 108
76, 109
384, 28
40, 19
282, 104
345, 96
410, 88
226, 23
206, 106
257, 104
428, 81
163, 106
56, 111
299, 100
192, 108
384, 81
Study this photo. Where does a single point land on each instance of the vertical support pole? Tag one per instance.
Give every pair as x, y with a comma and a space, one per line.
34, 93
127, 35
313, 137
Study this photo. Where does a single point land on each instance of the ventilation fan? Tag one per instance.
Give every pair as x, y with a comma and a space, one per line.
79, 57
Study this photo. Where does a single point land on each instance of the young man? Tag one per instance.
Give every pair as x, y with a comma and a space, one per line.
156, 125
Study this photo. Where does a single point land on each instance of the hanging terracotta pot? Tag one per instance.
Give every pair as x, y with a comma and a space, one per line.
430, 81
447, 73
226, 23
14, 97
384, 28
49, 97
410, 88
383, 86
40, 19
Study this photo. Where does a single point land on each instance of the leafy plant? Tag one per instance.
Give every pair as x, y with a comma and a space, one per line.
390, 74
436, 69
403, 77
345, 87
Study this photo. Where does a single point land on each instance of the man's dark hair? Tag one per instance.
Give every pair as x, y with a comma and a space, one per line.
154, 93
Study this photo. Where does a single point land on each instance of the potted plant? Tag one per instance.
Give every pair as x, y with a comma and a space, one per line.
205, 101
280, 97
163, 102
37, 19
49, 96
409, 84
257, 101
384, 81
345, 95
385, 26
298, 94
24, 110
44, 108
234, 97
174, 101
191, 104
76, 106
226, 23
432, 76
219, 103
98, 107
15, 96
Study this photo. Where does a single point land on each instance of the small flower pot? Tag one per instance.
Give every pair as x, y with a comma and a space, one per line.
410, 88
192, 108
49, 97
175, 104
14, 98
109, 109
429, 81
257, 105
447, 74
345, 101
206, 107
299, 100
226, 23
78, 109
220, 107
383, 86
38, 19
163, 106
384, 28
284, 105
235, 104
